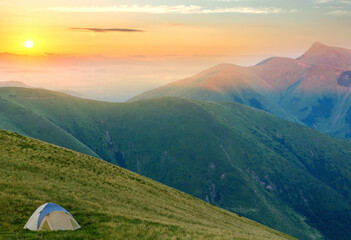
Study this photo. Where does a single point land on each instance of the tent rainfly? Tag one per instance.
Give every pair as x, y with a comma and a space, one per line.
51, 217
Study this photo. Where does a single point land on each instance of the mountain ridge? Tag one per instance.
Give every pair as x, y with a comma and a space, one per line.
14, 84
320, 53
289, 88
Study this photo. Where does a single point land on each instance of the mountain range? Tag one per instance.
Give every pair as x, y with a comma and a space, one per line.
312, 90
281, 174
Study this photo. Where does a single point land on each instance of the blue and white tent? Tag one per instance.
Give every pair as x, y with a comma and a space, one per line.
51, 217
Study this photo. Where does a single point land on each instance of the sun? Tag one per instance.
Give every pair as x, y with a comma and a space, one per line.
29, 44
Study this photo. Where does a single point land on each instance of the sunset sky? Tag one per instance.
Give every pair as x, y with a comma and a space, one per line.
173, 27
185, 36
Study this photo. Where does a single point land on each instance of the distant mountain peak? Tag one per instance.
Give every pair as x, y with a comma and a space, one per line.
13, 84
320, 53
317, 49
318, 45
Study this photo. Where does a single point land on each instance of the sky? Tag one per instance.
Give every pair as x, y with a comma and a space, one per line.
173, 38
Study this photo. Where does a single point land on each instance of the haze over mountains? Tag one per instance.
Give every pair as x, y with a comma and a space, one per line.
22, 85
312, 90
13, 84
101, 78
286, 176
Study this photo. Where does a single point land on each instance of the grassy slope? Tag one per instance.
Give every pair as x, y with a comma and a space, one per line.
235, 157
108, 202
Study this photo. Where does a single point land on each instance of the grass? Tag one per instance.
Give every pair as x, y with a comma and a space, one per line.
107, 201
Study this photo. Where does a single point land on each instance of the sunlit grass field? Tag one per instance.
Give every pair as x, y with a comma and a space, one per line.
107, 201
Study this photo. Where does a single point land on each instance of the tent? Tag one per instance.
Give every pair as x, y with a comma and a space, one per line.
51, 217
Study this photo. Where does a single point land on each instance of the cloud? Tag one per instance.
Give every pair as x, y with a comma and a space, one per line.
333, 1
322, 1
227, 1
340, 13
104, 30
166, 9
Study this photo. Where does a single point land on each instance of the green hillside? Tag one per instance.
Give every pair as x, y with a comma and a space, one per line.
283, 175
19, 118
109, 202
